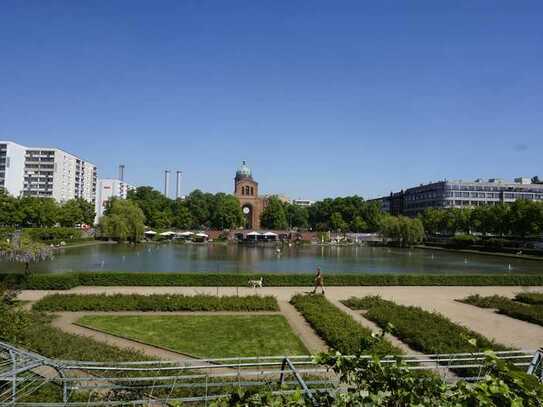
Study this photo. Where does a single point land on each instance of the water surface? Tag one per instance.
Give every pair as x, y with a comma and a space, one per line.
234, 258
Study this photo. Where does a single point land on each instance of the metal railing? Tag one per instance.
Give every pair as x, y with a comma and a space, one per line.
160, 383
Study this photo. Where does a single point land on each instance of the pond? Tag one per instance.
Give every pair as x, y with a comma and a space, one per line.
304, 259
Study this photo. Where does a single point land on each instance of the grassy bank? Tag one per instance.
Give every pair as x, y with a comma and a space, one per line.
338, 329
64, 281
135, 302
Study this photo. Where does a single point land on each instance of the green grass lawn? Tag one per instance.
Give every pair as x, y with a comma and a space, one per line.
214, 336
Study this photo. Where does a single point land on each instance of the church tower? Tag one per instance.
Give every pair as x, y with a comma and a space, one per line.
246, 190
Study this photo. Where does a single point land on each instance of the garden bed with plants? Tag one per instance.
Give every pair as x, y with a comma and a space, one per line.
64, 281
424, 331
154, 302
338, 329
525, 307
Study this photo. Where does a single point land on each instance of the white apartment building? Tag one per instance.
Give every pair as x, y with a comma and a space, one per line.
107, 189
45, 172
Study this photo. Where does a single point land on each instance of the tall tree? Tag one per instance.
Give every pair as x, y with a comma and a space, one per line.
182, 218
337, 222
155, 206
76, 211
38, 212
123, 220
226, 213
274, 216
200, 205
297, 216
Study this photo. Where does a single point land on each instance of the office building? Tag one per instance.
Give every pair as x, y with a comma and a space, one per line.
45, 172
459, 194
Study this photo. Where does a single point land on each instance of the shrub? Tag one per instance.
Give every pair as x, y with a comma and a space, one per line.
503, 305
40, 337
463, 241
338, 329
530, 298
135, 302
63, 281
53, 235
528, 313
423, 331
493, 301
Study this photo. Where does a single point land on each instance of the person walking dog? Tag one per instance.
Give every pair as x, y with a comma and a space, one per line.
319, 281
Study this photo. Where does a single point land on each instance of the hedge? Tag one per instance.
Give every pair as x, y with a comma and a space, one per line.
338, 329
64, 281
530, 298
424, 331
39, 336
135, 302
503, 305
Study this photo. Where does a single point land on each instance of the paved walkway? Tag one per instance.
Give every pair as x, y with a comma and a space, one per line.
503, 329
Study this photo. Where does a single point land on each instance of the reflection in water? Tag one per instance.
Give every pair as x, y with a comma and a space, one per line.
234, 258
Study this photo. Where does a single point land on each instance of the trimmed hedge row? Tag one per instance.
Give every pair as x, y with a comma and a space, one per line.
135, 302
64, 281
40, 337
338, 329
491, 301
524, 312
530, 298
423, 331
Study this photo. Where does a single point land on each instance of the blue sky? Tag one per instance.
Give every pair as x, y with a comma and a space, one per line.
321, 98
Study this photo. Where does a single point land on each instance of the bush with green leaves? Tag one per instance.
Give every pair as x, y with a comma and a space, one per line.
530, 298
491, 301
54, 235
366, 381
338, 329
529, 312
424, 331
154, 302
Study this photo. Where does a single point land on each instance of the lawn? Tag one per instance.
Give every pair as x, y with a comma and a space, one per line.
214, 336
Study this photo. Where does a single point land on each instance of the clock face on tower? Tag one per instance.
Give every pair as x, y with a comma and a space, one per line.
246, 210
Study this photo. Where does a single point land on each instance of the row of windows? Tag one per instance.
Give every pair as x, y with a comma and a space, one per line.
492, 188
247, 190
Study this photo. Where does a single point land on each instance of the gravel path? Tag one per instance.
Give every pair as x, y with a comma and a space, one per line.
302, 329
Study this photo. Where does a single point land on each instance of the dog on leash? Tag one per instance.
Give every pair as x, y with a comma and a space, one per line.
256, 283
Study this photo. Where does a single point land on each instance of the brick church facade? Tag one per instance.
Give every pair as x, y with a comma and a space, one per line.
246, 190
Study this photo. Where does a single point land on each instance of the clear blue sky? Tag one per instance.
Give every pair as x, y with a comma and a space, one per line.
321, 98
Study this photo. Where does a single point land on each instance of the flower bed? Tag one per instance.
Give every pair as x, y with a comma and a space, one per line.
338, 329
136, 302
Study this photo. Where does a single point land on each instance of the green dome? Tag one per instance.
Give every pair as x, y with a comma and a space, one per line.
243, 170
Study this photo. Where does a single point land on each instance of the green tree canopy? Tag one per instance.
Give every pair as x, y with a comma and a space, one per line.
76, 211
226, 213
274, 215
124, 220
297, 216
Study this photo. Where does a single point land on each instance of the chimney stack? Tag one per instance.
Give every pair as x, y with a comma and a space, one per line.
121, 172
166, 182
178, 184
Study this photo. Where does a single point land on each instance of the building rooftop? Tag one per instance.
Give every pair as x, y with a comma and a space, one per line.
244, 170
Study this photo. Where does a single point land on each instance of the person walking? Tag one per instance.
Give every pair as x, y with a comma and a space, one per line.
319, 281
